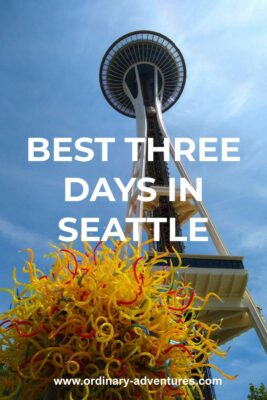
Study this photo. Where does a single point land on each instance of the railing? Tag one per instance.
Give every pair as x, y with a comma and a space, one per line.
205, 261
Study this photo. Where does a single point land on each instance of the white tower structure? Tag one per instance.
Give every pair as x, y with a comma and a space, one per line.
142, 75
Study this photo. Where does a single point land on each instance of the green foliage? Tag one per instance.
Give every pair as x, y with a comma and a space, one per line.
259, 393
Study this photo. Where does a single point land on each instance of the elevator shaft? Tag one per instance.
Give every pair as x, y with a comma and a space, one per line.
158, 170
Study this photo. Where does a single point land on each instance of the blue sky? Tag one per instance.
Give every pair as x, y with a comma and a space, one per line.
50, 53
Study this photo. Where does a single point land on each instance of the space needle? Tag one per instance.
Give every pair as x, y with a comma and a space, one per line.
142, 75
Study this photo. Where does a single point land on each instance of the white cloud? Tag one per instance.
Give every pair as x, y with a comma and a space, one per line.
254, 239
225, 15
239, 98
21, 236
